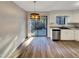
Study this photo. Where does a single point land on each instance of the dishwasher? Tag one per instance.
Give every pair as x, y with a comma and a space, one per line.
56, 34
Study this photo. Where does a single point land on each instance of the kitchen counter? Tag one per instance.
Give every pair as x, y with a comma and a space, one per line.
64, 27
68, 32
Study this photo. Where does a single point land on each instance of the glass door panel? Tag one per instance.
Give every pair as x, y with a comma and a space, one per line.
39, 27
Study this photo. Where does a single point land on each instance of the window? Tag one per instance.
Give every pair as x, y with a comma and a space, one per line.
61, 20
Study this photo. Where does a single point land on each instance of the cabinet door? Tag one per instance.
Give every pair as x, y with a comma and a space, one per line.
67, 34
77, 35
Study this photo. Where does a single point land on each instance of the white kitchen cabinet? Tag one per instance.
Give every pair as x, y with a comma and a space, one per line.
67, 34
76, 35
72, 34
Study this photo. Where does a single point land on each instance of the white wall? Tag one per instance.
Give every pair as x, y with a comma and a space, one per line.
12, 27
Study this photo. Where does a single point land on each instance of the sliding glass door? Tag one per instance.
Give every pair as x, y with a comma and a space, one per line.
39, 27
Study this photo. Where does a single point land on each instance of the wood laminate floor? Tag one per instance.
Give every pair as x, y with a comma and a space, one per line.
41, 47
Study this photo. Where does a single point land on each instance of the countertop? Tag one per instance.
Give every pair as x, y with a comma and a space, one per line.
65, 27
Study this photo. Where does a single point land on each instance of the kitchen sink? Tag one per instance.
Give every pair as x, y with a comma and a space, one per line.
63, 27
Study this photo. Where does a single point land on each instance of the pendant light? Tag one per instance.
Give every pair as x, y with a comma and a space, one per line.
35, 16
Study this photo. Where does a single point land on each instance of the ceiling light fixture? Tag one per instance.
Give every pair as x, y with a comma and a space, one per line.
35, 15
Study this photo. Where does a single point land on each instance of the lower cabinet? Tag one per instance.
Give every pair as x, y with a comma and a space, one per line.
67, 34
76, 35
72, 34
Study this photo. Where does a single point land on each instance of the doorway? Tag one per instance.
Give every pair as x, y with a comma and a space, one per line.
39, 27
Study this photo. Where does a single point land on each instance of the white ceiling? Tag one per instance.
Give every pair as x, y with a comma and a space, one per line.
45, 6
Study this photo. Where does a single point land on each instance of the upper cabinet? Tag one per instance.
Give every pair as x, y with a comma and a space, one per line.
74, 17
